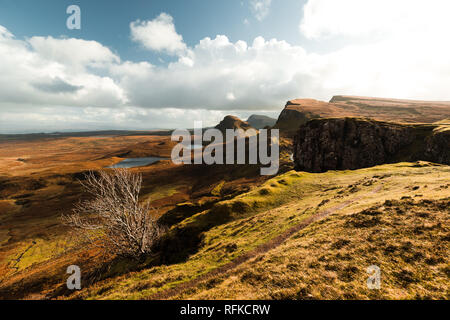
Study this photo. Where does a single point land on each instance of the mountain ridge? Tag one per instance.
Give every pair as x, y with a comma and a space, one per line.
299, 111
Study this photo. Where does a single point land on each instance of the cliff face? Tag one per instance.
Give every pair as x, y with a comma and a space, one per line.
299, 111
351, 143
438, 145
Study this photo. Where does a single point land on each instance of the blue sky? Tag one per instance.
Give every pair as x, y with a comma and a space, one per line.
165, 64
108, 21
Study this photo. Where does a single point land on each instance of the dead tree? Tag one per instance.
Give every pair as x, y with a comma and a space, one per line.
113, 217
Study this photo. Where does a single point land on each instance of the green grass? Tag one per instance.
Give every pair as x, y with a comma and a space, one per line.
37, 251
161, 192
407, 239
236, 226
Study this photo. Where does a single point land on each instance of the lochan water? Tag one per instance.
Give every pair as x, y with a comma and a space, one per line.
136, 162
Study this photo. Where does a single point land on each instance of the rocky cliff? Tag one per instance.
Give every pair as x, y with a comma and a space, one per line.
352, 143
299, 111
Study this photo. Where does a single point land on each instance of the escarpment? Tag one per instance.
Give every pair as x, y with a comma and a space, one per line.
352, 143
299, 111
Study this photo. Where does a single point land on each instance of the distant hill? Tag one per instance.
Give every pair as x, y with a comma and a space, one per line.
81, 134
299, 111
232, 122
260, 121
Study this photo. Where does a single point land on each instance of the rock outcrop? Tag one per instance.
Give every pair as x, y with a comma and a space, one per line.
232, 122
438, 145
299, 111
352, 143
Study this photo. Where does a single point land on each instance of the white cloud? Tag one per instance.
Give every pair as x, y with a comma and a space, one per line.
4, 33
259, 76
371, 18
230, 96
390, 48
158, 35
73, 83
49, 71
28, 118
260, 8
76, 53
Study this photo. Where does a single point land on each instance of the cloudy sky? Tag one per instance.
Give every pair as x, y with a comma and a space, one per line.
163, 64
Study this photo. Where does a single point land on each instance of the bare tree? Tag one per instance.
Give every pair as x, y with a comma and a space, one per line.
113, 218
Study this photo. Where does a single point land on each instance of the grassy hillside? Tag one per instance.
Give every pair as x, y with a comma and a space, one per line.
303, 235
316, 233
407, 239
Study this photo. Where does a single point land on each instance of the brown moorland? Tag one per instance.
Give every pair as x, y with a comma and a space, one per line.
39, 180
313, 231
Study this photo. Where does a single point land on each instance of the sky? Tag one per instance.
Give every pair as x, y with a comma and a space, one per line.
164, 64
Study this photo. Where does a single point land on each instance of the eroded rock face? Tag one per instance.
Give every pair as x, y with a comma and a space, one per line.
351, 143
438, 146
299, 111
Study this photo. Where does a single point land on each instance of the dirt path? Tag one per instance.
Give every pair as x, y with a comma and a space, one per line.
271, 244
19, 258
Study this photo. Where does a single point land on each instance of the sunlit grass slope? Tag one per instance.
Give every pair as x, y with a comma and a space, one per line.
394, 218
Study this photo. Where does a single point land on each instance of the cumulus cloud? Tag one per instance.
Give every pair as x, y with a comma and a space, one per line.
260, 8
222, 75
56, 85
158, 34
386, 49
76, 53
48, 71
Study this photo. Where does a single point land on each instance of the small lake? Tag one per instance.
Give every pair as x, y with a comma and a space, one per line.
136, 162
